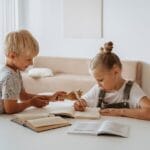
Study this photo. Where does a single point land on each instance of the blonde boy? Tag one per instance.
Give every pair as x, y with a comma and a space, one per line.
20, 49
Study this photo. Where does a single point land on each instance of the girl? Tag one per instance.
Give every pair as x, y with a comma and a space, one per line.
20, 49
112, 91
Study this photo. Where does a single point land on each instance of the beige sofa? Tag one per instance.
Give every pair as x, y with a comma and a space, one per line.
72, 74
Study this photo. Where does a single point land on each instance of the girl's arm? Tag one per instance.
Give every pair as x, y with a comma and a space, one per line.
139, 113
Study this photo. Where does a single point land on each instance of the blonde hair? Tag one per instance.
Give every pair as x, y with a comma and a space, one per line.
105, 58
21, 42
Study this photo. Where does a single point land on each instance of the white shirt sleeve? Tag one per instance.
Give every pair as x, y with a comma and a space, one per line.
136, 95
91, 96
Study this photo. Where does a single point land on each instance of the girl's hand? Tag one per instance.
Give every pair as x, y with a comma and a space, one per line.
60, 95
111, 112
80, 105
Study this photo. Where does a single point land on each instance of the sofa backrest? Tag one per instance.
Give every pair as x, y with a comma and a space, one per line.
132, 70
63, 64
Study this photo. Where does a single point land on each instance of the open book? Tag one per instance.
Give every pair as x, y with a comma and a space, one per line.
96, 128
40, 122
68, 111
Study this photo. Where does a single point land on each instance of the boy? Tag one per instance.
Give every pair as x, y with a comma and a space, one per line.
20, 49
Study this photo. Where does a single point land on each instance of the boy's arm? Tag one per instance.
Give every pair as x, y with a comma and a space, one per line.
59, 95
139, 113
12, 106
25, 96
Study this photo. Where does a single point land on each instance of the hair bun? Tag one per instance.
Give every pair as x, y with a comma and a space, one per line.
107, 47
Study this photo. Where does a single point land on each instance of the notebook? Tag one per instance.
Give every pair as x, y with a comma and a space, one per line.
89, 113
99, 128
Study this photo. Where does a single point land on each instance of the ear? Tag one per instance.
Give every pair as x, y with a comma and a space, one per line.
11, 55
116, 69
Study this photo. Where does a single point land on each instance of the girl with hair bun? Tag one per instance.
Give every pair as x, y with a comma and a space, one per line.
112, 93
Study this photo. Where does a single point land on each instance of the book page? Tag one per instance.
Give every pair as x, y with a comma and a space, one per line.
47, 109
32, 116
88, 127
89, 113
65, 103
67, 111
114, 128
48, 121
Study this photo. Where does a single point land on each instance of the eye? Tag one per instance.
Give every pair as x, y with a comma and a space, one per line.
29, 59
101, 80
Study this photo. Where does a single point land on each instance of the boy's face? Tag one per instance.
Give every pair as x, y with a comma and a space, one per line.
21, 62
107, 79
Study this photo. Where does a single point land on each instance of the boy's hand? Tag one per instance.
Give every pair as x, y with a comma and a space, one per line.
60, 95
80, 105
39, 101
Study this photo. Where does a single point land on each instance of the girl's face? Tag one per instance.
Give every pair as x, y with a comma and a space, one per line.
107, 79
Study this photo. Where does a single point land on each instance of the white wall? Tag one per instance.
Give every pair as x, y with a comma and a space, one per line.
48, 27
1, 35
126, 23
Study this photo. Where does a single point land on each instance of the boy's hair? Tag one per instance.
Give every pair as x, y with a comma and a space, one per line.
20, 42
105, 58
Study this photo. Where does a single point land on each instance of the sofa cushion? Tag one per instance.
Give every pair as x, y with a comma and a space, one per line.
40, 72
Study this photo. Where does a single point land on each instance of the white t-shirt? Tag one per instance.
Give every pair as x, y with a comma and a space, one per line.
136, 94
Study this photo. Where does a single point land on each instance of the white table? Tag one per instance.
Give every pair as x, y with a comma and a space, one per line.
17, 137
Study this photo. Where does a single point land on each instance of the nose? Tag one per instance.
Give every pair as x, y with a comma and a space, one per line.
31, 63
100, 85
